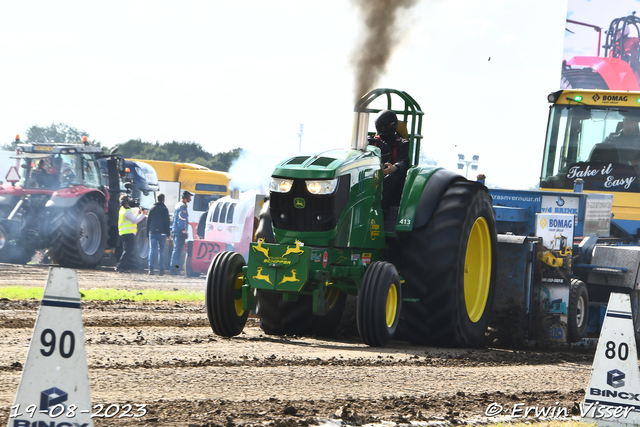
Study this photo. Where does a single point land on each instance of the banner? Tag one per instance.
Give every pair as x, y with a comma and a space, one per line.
601, 45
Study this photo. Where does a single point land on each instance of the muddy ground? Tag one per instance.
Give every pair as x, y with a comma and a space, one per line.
164, 355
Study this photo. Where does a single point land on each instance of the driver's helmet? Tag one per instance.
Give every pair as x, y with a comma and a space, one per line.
386, 123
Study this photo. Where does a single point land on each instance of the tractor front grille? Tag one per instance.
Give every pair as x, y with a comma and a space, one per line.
299, 210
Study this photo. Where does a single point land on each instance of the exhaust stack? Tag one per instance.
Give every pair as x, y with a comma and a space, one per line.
360, 129
235, 194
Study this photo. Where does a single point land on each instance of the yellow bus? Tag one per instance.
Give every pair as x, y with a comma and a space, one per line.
205, 184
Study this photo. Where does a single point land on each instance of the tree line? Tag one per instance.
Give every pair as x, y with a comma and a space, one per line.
174, 151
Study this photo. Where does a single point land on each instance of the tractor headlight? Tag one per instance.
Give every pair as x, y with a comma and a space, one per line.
322, 187
280, 185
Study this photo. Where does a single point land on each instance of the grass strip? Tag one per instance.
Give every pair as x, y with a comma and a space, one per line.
105, 294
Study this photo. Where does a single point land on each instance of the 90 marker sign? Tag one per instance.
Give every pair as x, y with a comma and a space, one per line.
66, 347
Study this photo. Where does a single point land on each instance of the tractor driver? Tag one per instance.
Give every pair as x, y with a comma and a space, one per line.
629, 135
627, 139
395, 157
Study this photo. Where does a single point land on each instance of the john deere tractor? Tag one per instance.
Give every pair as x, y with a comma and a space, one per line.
428, 263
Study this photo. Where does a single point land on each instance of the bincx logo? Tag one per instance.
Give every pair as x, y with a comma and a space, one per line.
595, 97
52, 397
615, 378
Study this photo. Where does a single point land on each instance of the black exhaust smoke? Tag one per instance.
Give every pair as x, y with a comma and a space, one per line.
381, 34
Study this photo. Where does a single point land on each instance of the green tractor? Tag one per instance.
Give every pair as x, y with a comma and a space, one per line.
427, 264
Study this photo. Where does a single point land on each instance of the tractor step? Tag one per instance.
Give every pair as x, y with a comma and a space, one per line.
391, 219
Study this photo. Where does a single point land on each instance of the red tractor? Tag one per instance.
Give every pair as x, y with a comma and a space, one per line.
618, 69
60, 204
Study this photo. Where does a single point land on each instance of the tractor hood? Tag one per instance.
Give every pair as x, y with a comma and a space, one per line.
327, 164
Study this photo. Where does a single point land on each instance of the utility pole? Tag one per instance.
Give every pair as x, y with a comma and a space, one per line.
300, 135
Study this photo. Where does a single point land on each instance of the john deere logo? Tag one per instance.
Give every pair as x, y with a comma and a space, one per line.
298, 203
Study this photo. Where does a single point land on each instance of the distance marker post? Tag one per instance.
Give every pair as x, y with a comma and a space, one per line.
54, 386
613, 395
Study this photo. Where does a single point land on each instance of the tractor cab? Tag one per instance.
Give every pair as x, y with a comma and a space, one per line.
594, 136
52, 167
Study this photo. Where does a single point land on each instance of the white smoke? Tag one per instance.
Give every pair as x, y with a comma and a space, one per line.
252, 171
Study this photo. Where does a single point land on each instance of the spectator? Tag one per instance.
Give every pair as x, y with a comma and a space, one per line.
127, 229
158, 228
180, 231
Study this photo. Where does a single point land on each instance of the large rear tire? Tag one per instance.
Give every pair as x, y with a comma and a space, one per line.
141, 255
265, 229
4, 245
79, 235
449, 270
279, 317
582, 78
325, 326
379, 304
578, 311
222, 298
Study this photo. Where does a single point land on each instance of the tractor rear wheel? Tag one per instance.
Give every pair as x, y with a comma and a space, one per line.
582, 78
223, 299
4, 246
141, 256
79, 235
449, 270
279, 317
265, 229
325, 326
578, 311
379, 304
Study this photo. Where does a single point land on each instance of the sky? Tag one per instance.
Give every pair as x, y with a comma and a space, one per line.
248, 73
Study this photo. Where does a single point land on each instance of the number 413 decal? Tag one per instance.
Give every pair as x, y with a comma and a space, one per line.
405, 221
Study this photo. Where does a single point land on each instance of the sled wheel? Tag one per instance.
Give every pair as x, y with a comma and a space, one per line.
335, 301
578, 311
379, 304
279, 317
448, 267
223, 299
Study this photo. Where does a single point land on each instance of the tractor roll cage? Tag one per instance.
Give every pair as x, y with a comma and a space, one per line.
411, 110
614, 42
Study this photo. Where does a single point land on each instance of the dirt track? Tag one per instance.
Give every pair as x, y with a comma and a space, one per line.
165, 356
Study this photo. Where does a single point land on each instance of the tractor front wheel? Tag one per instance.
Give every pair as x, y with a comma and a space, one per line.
379, 304
223, 297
